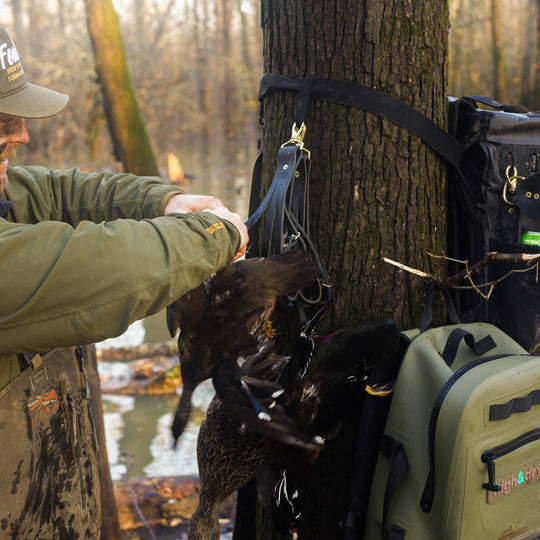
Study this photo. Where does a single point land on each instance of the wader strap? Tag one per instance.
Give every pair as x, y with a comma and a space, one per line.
377, 399
5, 207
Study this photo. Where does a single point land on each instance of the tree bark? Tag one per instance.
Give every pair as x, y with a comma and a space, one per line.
110, 526
128, 131
376, 190
499, 80
535, 105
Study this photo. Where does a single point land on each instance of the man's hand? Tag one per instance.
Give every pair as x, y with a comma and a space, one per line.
236, 220
191, 203
182, 203
3, 175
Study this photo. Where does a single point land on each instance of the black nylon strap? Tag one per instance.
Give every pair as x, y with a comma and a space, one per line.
484, 100
371, 100
427, 312
5, 207
501, 411
454, 339
394, 451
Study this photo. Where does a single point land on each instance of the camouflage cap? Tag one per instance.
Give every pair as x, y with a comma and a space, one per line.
17, 96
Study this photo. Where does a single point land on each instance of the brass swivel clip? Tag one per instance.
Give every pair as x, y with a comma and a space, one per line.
297, 138
511, 184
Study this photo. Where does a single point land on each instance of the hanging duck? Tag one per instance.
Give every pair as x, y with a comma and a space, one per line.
226, 318
321, 379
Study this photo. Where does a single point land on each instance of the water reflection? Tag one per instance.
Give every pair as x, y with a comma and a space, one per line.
139, 427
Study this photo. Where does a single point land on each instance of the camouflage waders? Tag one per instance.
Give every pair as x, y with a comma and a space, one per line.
49, 487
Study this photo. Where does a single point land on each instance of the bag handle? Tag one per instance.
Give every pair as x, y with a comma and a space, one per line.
484, 100
481, 346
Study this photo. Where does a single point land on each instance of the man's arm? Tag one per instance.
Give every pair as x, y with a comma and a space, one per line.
39, 194
64, 286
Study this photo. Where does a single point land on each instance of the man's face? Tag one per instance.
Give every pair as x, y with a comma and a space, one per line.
13, 132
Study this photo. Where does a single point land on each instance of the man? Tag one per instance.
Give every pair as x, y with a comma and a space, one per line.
82, 255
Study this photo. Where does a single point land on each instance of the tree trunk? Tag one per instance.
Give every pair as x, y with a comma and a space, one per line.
536, 103
530, 55
202, 37
110, 526
128, 131
499, 80
228, 89
376, 190
17, 23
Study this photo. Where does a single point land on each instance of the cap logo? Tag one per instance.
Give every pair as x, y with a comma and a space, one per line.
17, 97
9, 61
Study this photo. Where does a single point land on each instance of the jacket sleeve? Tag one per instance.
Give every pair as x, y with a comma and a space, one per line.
79, 281
40, 194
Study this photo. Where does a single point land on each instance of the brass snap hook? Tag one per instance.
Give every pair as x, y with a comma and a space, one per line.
511, 184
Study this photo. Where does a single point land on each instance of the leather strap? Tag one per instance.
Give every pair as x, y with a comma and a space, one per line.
284, 218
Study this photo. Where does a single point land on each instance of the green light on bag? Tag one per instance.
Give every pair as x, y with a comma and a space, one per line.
530, 238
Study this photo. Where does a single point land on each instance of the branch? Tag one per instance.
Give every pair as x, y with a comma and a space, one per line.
530, 259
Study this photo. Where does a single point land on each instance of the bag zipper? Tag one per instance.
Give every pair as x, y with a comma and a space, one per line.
489, 456
426, 501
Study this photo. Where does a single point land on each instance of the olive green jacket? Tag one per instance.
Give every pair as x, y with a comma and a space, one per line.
83, 255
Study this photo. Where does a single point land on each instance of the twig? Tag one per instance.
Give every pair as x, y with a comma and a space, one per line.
530, 259
411, 270
134, 495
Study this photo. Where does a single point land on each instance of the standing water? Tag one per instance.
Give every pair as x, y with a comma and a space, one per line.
137, 427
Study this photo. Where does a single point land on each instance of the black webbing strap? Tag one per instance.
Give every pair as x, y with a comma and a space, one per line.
377, 400
501, 411
368, 99
5, 207
427, 312
454, 339
394, 451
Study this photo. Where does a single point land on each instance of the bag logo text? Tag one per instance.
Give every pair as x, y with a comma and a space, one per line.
514, 481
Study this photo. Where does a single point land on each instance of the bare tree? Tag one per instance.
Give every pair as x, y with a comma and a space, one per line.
126, 124
376, 188
499, 80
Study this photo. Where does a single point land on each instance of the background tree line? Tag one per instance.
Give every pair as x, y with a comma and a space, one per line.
196, 65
